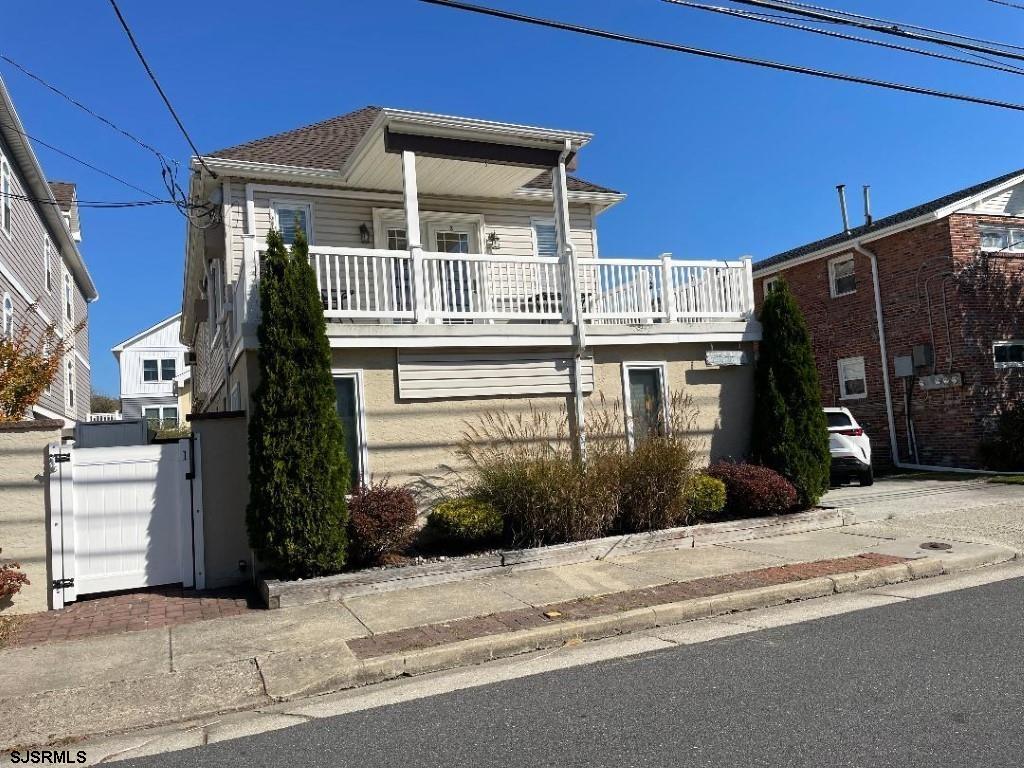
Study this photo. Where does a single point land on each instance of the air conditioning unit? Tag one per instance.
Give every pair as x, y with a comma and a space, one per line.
190, 358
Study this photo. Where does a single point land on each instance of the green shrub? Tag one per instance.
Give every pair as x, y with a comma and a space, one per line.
1004, 450
466, 521
705, 498
790, 431
651, 484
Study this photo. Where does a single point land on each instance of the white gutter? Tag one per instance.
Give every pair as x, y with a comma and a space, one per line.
893, 445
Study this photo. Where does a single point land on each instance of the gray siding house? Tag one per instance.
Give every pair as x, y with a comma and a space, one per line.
43, 278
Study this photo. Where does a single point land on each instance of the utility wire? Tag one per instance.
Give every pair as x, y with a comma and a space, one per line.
90, 203
1018, 6
781, 21
160, 90
886, 27
718, 55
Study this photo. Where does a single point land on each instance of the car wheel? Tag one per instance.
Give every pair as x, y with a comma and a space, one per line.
867, 477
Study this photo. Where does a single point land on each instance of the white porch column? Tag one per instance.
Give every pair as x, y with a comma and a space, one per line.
411, 204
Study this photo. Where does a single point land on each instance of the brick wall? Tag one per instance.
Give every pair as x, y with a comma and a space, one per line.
925, 300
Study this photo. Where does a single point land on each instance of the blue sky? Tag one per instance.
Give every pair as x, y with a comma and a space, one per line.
718, 159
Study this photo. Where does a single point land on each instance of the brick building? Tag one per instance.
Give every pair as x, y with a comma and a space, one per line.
917, 320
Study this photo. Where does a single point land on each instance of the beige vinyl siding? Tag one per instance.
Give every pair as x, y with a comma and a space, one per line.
487, 373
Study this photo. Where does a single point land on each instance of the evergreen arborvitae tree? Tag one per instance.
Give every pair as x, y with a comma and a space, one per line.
790, 428
298, 471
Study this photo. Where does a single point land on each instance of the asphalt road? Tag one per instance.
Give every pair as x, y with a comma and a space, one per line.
931, 681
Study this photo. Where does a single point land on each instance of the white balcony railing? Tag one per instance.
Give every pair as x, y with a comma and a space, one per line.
374, 285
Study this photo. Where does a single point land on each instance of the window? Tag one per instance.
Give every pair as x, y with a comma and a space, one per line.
644, 386
1009, 354
545, 237
167, 369
214, 298
161, 416
48, 275
348, 400
770, 283
291, 217
852, 384
397, 239
150, 371
1001, 238
7, 327
6, 189
841, 277
70, 394
69, 298
236, 397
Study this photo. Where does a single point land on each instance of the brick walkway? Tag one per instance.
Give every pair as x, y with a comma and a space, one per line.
431, 635
131, 612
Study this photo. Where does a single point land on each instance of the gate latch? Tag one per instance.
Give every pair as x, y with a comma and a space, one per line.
61, 458
62, 583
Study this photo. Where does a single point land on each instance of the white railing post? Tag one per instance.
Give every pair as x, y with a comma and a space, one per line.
668, 292
411, 204
748, 286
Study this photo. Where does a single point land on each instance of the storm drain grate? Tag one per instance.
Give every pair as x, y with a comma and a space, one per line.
936, 545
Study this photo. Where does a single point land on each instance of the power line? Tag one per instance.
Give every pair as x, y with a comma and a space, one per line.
1018, 6
90, 203
791, 23
160, 90
886, 27
718, 55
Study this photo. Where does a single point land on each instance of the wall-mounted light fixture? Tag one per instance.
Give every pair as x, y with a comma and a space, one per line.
364, 234
493, 242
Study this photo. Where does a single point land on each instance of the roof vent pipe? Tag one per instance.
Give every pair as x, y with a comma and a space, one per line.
867, 205
841, 189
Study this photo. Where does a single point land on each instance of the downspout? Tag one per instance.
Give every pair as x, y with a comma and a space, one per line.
893, 445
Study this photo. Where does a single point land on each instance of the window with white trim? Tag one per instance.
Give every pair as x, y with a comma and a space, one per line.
161, 416
214, 297
348, 399
168, 369
646, 400
47, 255
1009, 353
852, 380
290, 217
7, 327
69, 394
545, 237
995, 238
842, 278
236, 397
151, 370
69, 299
6, 202
770, 283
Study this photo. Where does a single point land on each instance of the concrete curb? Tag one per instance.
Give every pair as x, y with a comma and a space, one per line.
116, 707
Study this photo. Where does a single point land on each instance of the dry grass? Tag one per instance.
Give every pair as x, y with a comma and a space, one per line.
8, 625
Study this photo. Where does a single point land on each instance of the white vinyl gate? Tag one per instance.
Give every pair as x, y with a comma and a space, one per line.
122, 518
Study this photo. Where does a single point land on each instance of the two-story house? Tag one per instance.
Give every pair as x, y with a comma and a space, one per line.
459, 270
917, 320
43, 278
151, 365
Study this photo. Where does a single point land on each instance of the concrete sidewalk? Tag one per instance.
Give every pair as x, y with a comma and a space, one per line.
118, 682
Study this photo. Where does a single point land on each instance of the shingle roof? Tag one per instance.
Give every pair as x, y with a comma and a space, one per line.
329, 143
897, 218
63, 193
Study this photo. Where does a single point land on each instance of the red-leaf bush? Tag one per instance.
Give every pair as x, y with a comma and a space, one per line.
382, 522
11, 579
752, 490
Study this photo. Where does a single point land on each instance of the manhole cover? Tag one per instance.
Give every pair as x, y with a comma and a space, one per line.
935, 545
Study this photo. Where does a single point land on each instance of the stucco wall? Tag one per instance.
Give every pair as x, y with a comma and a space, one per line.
414, 441
23, 508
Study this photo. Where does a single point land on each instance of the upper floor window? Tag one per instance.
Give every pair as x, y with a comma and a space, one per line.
545, 237
7, 328
841, 277
150, 370
1009, 354
289, 218
852, 381
6, 188
167, 369
770, 284
397, 239
69, 298
214, 295
47, 252
70, 394
1001, 238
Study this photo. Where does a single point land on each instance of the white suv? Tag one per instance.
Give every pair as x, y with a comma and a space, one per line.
850, 447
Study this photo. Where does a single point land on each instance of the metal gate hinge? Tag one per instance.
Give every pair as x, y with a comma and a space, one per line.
62, 583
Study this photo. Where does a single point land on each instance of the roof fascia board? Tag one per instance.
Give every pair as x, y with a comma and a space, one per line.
434, 124
142, 334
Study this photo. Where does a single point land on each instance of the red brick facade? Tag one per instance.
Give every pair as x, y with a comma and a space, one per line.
972, 299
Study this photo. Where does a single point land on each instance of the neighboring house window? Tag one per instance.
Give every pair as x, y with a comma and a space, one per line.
7, 328
47, 250
841, 277
167, 369
1009, 354
1001, 238
69, 299
545, 237
6, 188
349, 402
161, 417
852, 383
291, 217
646, 414
150, 371
70, 395
236, 397
214, 297
770, 284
